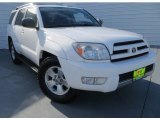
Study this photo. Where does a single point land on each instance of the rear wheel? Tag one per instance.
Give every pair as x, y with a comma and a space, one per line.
14, 54
53, 82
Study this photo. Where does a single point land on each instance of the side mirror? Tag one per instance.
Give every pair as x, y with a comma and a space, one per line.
28, 22
100, 21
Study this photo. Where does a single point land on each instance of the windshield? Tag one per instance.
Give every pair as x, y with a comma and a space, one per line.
66, 17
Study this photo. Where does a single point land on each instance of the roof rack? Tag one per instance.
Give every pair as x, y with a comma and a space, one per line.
28, 4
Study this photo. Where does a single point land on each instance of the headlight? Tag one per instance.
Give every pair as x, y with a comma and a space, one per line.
92, 51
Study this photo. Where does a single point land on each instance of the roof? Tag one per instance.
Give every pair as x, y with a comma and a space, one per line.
44, 5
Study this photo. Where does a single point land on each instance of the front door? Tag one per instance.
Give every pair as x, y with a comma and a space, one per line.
30, 41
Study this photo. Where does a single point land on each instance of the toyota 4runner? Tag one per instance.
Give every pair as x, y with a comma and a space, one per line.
71, 50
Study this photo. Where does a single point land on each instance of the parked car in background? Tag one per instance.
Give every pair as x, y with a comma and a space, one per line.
70, 50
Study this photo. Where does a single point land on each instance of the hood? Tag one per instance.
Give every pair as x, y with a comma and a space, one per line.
103, 35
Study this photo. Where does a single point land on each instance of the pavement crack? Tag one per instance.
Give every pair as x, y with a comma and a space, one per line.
146, 97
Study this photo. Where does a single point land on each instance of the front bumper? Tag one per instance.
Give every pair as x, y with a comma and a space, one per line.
73, 71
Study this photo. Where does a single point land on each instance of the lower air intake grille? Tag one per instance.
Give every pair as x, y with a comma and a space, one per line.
129, 75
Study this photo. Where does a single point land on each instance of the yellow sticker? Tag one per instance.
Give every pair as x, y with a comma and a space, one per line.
138, 74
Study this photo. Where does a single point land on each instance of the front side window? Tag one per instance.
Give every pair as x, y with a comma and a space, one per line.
31, 14
20, 16
66, 17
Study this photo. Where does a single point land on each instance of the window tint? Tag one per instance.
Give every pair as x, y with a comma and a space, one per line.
20, 16
80, 17
11, 17
31, 14
66, 17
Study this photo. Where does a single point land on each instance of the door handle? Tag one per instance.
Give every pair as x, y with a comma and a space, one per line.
22, 31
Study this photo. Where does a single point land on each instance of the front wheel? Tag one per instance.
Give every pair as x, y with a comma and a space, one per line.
53, 82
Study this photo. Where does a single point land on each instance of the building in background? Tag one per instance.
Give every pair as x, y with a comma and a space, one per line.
142, 18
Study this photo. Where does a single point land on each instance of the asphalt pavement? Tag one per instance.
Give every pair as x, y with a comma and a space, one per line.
20, 96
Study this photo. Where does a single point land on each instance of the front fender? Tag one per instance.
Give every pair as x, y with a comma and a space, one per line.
55, 49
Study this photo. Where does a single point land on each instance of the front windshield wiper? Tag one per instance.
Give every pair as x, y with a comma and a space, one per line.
55, 26
70, 25
85, 24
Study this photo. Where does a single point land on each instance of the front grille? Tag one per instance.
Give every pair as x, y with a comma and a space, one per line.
126, 58
142, 47
128, 42
128, 49
120, 51
129, 75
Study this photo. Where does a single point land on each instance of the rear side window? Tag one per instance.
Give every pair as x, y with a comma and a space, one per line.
11, 17
20, 16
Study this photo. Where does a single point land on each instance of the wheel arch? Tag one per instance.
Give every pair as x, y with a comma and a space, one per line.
44, 54
51, 49
9, 41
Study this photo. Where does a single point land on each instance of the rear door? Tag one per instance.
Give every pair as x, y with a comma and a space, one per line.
10, 29
18, 29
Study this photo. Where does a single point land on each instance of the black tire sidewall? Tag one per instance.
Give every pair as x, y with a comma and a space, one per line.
16, 60
46, 64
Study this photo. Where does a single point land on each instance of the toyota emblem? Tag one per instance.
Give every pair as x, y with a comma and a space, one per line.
134, 50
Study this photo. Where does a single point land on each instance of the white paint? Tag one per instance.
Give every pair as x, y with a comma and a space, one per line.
59, 42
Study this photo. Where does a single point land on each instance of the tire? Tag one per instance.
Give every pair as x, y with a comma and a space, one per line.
51, 77
13, 53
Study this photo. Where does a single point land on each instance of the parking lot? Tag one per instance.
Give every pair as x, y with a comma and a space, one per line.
20, 96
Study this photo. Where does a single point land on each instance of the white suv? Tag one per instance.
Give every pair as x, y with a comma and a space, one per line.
71, 50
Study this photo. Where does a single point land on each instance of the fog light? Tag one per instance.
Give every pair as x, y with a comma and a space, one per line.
94, 80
